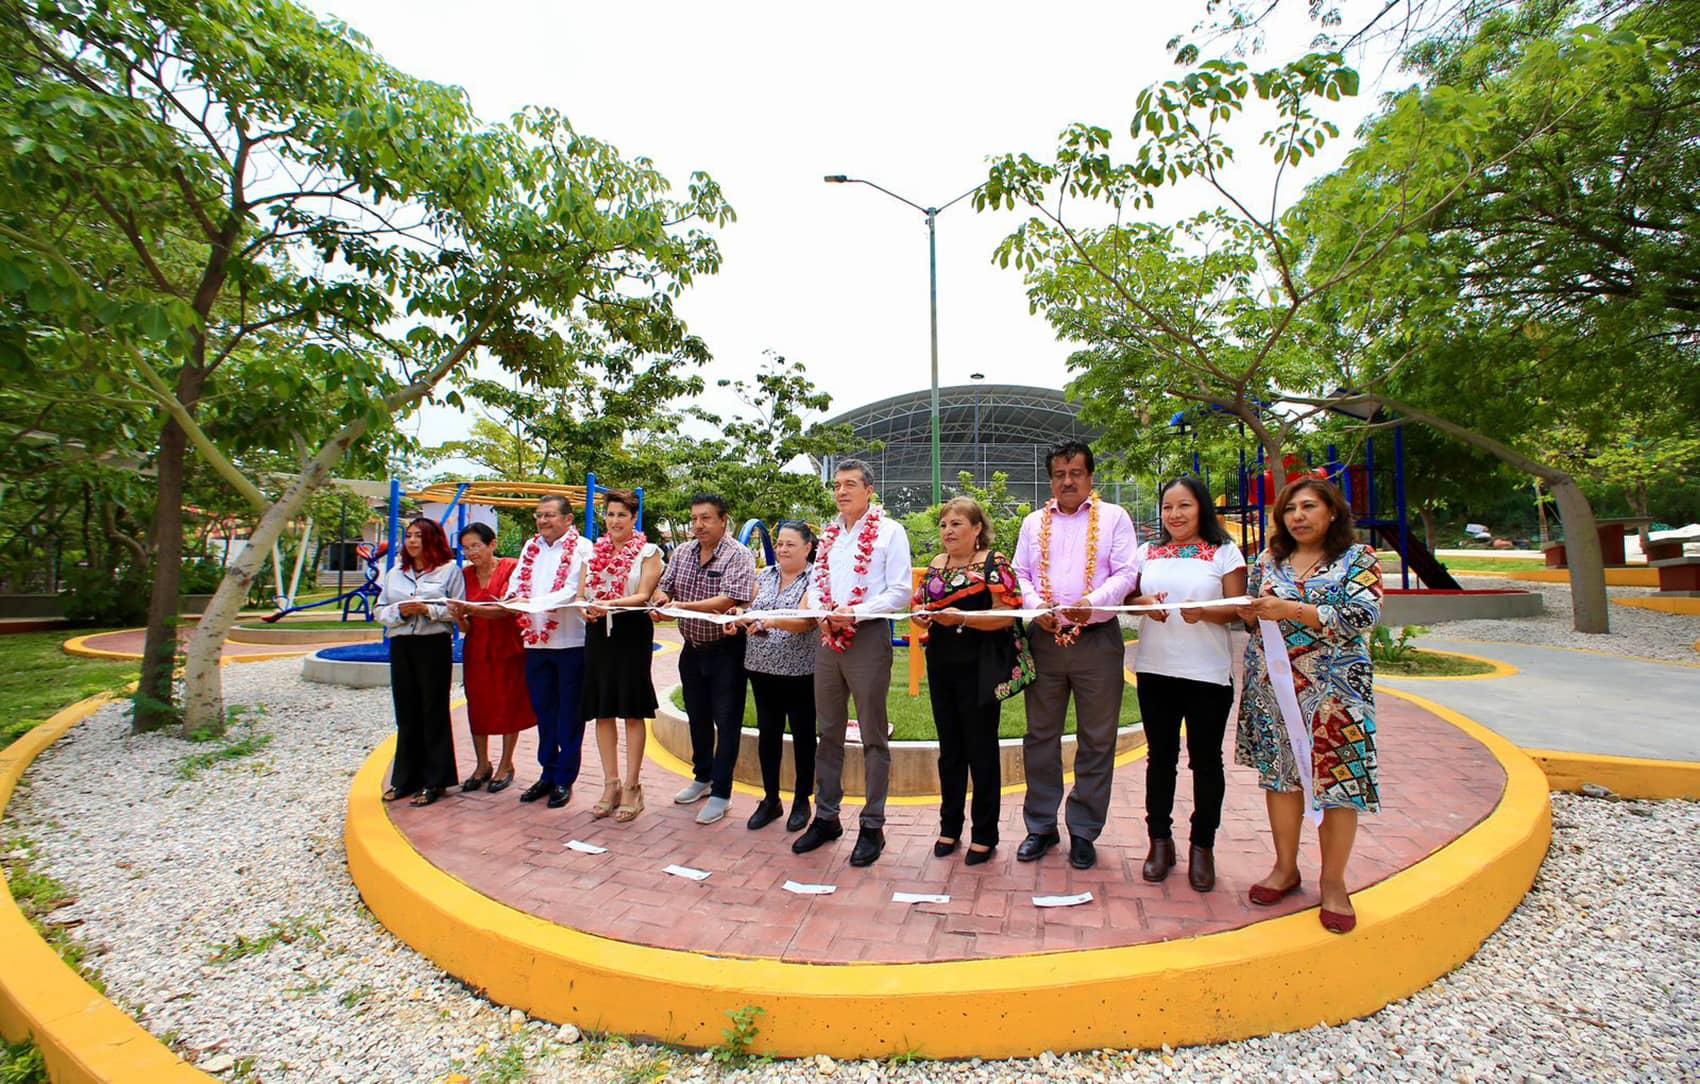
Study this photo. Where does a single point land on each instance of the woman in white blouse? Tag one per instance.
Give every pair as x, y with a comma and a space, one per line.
413, 604
1185, 672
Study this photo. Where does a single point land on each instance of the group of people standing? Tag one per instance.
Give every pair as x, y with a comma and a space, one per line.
1306, 709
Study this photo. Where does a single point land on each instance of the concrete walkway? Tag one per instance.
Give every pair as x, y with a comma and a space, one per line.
1575, 701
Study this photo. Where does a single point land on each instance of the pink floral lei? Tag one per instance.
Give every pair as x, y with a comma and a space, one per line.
528, 630
610, 567
839, 639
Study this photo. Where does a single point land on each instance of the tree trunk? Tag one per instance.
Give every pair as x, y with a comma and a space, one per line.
154, 695
1426, 513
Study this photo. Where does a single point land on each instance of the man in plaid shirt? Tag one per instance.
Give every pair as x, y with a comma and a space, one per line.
711, 574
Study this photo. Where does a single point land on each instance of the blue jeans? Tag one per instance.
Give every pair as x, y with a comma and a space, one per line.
554, 677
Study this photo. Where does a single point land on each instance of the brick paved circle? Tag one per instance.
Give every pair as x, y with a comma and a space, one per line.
1437, 783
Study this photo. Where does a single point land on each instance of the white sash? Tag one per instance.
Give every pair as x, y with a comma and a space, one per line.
1287, 696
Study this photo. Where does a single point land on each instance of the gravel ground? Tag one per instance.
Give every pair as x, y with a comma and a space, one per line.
1587, 981
1645, 633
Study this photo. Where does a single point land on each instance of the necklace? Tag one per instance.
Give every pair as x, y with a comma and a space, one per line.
839, 639
529, 630
611, 565
1067, 636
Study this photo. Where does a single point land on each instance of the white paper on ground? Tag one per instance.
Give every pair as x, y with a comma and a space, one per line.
919, 897
585, 848
686, 871
810, 890
1062, 901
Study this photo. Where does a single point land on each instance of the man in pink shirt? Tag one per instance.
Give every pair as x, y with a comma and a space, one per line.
1076, 553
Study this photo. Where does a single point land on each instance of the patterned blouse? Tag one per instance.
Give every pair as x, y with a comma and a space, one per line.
776, 652
1332, 674
980, 586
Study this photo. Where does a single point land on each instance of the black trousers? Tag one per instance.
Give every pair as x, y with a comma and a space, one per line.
968, 748
781, 698
1163, 703
421, 673
713, 681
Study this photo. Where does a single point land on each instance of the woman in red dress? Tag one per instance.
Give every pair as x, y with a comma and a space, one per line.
493, 660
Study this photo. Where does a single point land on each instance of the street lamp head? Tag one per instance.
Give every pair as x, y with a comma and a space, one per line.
976, 376
836, 178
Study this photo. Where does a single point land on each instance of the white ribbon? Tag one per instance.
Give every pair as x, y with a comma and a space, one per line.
563, 602
1287, 696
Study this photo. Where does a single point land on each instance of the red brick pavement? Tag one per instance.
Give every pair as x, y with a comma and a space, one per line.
1436, 783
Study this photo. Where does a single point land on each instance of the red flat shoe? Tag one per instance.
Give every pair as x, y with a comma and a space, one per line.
1269, 897
1338, 921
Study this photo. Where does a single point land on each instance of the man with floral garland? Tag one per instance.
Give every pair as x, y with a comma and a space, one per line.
863, 567
1075, 553
710, 574
552, 563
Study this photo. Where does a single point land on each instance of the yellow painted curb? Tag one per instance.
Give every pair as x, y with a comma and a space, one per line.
1687, 607
78, 645
1627, 777
83, 1037
1615, 577
1278, 975
1500, 669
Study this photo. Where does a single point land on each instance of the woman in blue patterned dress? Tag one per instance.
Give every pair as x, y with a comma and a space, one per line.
1319, 590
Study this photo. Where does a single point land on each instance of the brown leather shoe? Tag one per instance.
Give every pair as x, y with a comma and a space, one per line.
1159, 860
1201, 868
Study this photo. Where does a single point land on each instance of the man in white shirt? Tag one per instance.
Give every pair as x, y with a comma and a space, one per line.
863, 566
553, 562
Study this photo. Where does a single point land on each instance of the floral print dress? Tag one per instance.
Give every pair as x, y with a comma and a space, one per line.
1332, 674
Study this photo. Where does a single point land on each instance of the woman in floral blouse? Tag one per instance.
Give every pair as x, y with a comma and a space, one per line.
1317, 597
960, 586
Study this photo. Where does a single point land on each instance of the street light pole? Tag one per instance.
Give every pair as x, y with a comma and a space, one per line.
932, 214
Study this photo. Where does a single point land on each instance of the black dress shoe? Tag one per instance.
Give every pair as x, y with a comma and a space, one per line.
941, 849
474, 782
799, 818
1035, 845
821, 831
870, 844
977, 858
767, 811
537, 790
1201, 868
1081, 853
1159, 860
501, 783
560, 796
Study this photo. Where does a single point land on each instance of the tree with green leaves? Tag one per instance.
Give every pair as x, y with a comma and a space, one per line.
240, 217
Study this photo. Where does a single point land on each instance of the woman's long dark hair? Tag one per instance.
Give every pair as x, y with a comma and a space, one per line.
434, 546
1209, 525
1341, 532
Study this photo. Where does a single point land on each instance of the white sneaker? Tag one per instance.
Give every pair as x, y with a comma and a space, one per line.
693, 792
714, 810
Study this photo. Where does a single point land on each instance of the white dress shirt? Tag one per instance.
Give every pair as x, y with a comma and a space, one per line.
569, 629
890, 579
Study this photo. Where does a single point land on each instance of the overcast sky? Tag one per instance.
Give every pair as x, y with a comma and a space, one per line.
769, 98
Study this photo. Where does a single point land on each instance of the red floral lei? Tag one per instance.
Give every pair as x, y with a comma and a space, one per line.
610, 568
839, 639
528, 630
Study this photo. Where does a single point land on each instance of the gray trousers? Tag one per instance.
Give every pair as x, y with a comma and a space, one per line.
862, 672
1092, 670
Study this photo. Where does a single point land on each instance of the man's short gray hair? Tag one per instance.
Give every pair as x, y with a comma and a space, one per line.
857, 465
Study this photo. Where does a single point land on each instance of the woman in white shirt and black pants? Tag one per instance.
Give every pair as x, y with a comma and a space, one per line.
414, 606
1185, 672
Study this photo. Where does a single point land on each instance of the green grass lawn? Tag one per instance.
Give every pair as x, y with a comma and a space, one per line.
912, 716
1420, 663
1456, 565
37, 678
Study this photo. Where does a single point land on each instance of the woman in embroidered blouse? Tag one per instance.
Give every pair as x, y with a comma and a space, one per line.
623, 571
492, 659
414, 604
1321, 589
779, 657
960, 586
1185, 670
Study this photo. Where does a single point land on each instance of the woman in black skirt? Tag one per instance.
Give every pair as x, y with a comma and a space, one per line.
623, 572
414, 605
956, 606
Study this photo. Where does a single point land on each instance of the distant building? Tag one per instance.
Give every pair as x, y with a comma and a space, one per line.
983, 429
